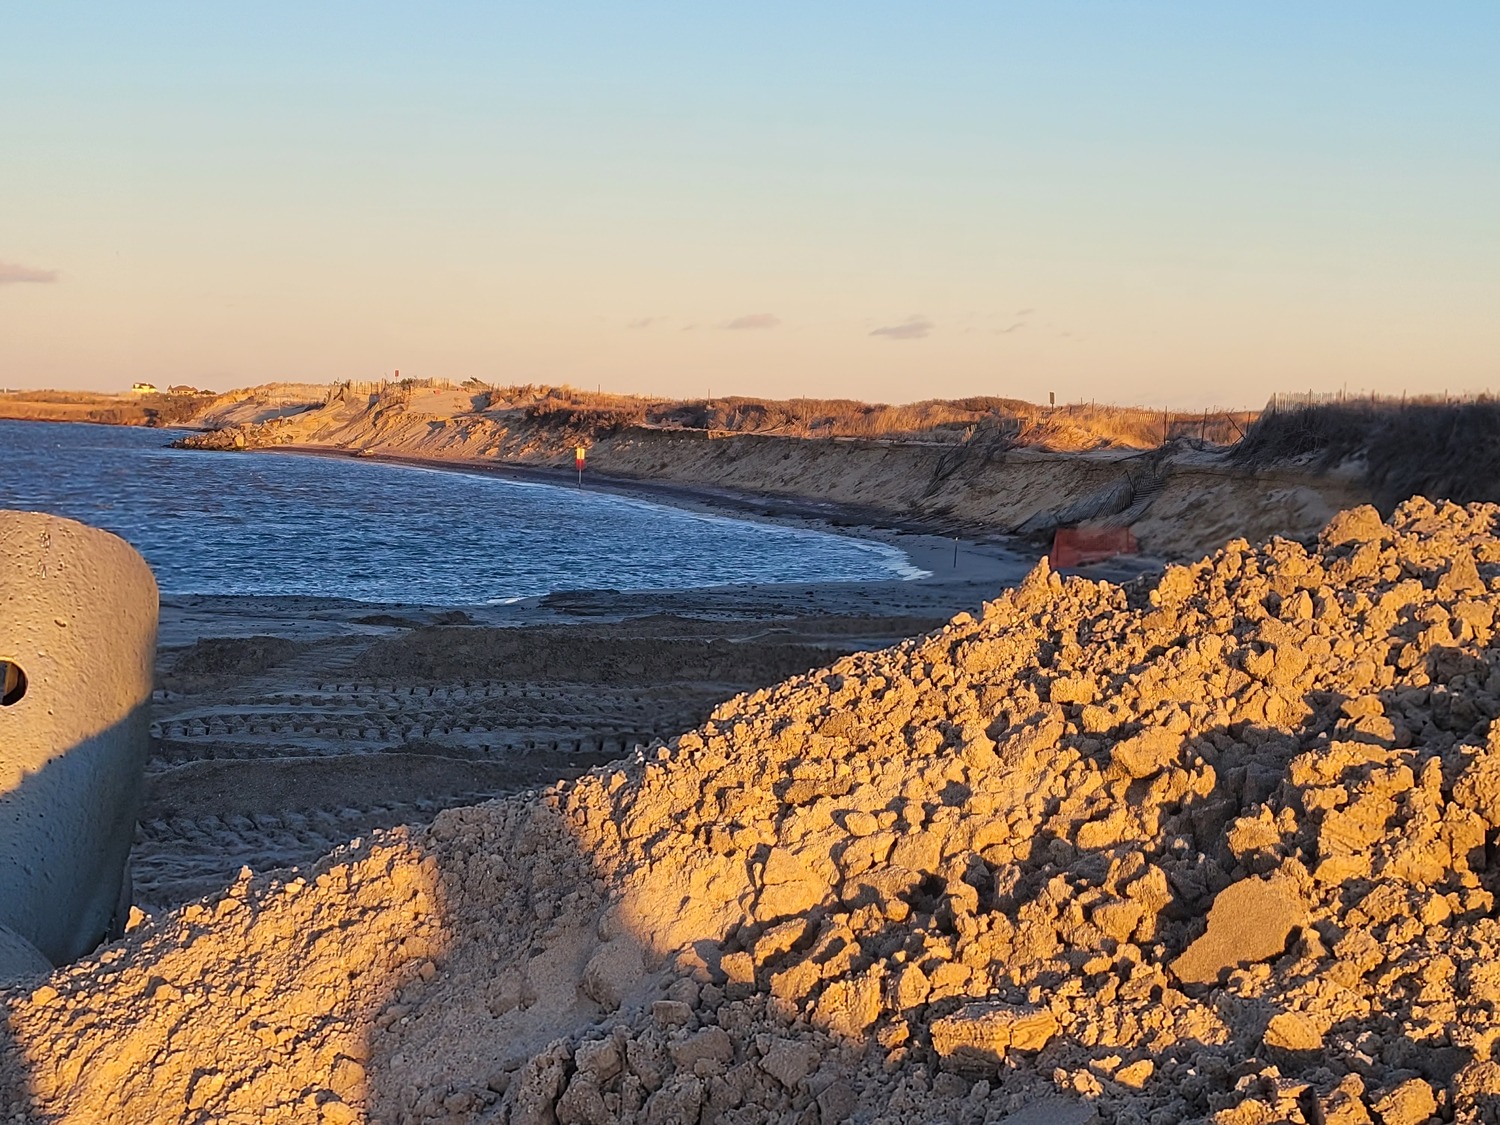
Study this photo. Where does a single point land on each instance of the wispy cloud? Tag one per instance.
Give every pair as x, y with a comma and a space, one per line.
752, 321
912, 328
12, 274
1018, 321
644, 322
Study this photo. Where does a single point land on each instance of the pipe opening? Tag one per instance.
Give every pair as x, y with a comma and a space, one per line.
12, 683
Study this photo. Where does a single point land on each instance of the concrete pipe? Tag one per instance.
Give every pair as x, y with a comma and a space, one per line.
78, 610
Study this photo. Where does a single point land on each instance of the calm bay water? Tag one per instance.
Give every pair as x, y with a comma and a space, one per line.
282, 523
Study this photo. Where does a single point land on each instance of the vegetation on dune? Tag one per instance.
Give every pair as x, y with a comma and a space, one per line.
172, 409
1426, 447
1080, 426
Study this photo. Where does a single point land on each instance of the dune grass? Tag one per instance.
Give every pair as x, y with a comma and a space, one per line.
1427, 447
1075, 427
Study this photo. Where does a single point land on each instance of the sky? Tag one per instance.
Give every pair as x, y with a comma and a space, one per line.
1179, 204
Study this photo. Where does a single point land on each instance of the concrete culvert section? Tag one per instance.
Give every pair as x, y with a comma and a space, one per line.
78, 613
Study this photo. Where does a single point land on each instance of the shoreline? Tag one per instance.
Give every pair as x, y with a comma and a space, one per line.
928, 544
959, 572
952, 580
828, 516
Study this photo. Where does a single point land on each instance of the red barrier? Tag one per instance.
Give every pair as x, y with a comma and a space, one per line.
1079, 546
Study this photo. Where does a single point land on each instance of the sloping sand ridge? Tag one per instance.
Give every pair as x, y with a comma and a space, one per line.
1213, 849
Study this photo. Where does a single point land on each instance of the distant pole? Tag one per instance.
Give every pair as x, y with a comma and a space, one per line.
955, 552
578, 457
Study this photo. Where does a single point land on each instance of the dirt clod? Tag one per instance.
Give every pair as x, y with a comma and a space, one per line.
1249, 921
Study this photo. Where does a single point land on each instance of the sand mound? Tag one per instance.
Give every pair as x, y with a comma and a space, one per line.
1216, 850
216, 657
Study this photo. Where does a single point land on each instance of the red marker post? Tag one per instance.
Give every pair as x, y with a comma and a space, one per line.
578, 459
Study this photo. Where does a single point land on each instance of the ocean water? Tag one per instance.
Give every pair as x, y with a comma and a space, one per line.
284, 523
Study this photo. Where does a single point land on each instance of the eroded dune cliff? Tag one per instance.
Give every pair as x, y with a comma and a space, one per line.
1182, 499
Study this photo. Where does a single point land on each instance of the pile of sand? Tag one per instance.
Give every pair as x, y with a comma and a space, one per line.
1216, 850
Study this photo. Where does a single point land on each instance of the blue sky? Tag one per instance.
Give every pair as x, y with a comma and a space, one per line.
1156, 203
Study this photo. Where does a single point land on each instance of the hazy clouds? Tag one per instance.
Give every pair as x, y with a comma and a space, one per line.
13, 274
912, 328
752, 321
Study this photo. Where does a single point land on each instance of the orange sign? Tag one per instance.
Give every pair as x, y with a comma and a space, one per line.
578, 455
1077, 546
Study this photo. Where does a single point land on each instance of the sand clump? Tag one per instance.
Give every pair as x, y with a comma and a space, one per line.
1212, 849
